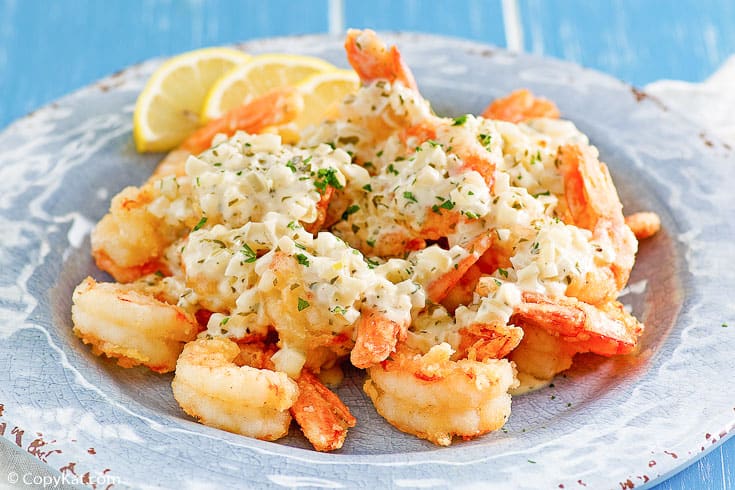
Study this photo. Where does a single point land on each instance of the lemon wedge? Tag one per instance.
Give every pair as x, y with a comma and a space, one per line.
168, 108
322, 92
256, 77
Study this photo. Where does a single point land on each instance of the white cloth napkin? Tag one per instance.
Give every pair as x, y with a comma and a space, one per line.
711, 104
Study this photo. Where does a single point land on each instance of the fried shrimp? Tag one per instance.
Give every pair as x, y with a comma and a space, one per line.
520, 105
209, 386
606, 329
591, 202
436, 398
130, 241
132, 327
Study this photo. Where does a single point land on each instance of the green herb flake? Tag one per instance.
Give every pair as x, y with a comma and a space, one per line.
225, 320
351, 210
503, 272
409, 196
303, 259
458, 121
201, 223
372, 264
250, 255
485, 139
303, 304
392, 169
326, 177
290, 165
339, 310
547, 193
367, 187
447, 205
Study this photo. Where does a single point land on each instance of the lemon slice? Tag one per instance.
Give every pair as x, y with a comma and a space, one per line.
322, 92
256, 77
168, 109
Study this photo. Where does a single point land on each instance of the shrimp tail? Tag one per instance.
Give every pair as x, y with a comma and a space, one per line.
373, 60
322, 416
278, 106
377, 337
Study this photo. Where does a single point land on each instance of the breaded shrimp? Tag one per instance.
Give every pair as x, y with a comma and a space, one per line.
436, 398
520, 105
253, 402
591, 202
605, 329
132, 327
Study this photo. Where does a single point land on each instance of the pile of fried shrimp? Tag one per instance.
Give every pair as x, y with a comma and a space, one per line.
447, 257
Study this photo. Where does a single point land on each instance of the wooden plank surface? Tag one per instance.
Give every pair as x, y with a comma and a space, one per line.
637, 41
49, 48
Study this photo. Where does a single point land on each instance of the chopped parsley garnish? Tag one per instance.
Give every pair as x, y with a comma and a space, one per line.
326, 177
292, 225
372, 264
547, 193
367, 187
201, 223
371, 243
470, 214
409, 196
303, 259
225, 320
303, 304
250, 255
503, 272
485, 139
290, 165
392, 169
445, 205
351, 210
458, 121
339, 310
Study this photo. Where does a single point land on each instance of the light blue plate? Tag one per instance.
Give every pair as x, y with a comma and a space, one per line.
606, 423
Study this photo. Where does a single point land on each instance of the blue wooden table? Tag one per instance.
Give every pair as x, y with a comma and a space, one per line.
48, 49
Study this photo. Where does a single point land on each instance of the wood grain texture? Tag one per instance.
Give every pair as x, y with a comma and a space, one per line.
470, 19
48, 49
637, 41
